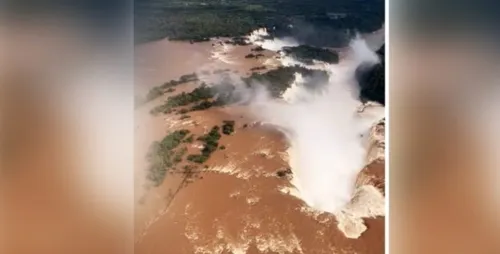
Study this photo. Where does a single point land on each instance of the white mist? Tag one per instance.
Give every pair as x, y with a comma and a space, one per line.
325, 132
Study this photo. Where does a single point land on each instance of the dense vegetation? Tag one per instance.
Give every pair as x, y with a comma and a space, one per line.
163, 156
202, 92
205, 97
198, 20
371, 80
280, 79
167, 153
168, 87
307, 54
228, 127
189, 139
210, 144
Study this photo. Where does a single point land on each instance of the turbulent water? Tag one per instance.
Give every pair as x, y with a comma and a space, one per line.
325, 133
261, 38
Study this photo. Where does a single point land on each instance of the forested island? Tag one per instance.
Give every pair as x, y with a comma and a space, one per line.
307, 54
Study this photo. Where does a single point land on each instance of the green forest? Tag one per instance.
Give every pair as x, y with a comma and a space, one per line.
204, 96
198, 20
307, 54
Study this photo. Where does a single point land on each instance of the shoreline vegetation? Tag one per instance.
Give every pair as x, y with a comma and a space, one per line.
200, 20
371, 80
306, 54
165, 156
205, 96
167, 87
